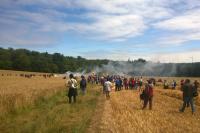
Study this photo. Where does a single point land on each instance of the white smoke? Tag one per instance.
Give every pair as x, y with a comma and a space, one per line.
76, 74
137, 68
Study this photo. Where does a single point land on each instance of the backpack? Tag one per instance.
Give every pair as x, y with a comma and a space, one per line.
73, 84
117, 82
148, 91
195, 92
142, 95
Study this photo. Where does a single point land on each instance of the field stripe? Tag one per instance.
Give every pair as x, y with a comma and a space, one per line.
122, 113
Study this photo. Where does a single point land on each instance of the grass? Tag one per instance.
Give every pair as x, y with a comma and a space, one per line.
40, 105
52, 114
18, 92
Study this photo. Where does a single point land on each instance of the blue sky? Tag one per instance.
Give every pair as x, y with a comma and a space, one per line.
156, 30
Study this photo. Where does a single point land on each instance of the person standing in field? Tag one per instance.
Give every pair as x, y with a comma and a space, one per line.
195, 86
103, 84
117, 84
72, 85
133, 83
83, 84
187, 96
125, 83
148, 95
165, 84
173, 84
120, 84
108, 88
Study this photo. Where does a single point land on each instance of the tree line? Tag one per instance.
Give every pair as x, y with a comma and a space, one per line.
166, 69
26, 60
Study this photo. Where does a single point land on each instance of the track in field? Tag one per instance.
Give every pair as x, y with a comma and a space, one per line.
123, 114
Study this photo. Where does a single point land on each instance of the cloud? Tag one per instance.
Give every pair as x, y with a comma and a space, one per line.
43, 22
188, 21
31, 28
113, 27
178, 57
114, 55
101, 19
186, 28
164, 57
178, 39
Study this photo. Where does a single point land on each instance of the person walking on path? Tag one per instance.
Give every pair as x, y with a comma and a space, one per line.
188, 91
108, 88
148, 95
195, 86
72, 88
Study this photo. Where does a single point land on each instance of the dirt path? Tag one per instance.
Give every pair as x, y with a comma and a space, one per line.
123, 114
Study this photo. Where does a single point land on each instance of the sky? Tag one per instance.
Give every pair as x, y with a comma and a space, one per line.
155, 30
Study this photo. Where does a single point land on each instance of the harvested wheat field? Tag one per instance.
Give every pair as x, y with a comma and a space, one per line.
39, 104
123, 114
19, 91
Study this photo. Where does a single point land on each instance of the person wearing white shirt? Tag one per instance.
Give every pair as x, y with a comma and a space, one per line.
72, 85
108, 88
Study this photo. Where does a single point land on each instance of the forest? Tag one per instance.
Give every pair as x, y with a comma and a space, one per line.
26, 60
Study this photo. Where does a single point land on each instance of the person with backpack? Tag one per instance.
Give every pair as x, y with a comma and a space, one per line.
195, 86
148, 95
188, 91
125, 83
72, 85
83, 85
108, 88
117, 84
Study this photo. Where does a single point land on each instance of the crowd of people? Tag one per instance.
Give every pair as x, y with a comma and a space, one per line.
122, 82
146, 89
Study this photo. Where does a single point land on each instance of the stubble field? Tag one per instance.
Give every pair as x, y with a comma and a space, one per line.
18, 91
40, 104
123, 113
